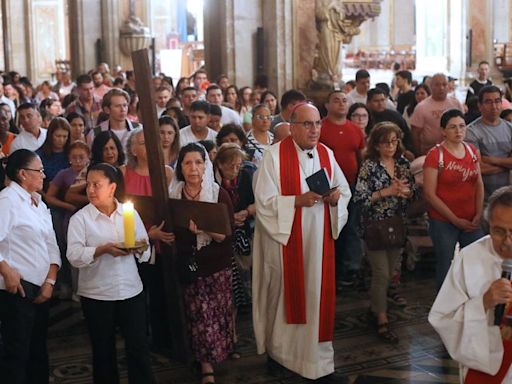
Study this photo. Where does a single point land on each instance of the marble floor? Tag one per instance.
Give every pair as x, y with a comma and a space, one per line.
359, 355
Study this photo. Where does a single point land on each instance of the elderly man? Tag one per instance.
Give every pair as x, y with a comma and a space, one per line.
293, 257
425, 121
463, 312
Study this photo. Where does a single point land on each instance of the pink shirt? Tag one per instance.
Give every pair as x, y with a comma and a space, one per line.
427, 115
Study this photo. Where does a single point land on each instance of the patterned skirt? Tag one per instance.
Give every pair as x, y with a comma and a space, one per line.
209, 309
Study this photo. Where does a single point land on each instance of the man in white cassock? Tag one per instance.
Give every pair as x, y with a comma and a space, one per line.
293, 250
463, 312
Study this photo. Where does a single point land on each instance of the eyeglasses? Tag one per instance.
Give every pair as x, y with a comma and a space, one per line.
491, 102
392, 142
41, 171
360, 115
500, 233
308, 124
263, 117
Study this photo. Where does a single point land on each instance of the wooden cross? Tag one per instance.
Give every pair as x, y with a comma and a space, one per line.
180, 348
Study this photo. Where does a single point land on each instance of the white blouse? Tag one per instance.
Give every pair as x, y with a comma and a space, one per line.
107, 277
27, 238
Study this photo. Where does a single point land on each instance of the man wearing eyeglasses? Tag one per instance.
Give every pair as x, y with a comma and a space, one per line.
293, 256
464, 311
32, 136
347, 142
493, 137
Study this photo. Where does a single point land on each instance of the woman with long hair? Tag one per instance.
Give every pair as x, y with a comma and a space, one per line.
421, 92
54, 151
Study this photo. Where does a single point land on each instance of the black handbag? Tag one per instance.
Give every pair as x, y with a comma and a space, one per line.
241, 242
187, 266
385, 234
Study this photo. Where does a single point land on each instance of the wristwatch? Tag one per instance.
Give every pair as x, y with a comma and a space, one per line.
50, 281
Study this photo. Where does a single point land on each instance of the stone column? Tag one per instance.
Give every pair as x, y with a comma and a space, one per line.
16, 35
85, 29
110, 24
280, 44
230, 41
480, 22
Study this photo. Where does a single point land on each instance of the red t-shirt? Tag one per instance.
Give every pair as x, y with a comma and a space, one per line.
345, 140
456, 182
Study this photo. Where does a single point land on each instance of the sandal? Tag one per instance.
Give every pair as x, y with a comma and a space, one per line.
207, 374
396, 299
385, 334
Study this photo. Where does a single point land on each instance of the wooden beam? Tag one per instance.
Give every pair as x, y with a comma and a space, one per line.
173, 291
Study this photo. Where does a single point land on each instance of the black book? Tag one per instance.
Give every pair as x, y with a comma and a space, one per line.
318, 182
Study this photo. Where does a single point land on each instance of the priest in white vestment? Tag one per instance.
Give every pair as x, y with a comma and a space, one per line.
297, 332
463, 312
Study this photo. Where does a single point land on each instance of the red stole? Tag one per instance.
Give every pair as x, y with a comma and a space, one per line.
476, 377
293, 255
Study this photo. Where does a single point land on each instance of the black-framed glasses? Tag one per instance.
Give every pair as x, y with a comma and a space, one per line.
308, 124
41, 171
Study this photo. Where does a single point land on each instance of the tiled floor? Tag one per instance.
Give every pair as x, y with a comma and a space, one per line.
359, 355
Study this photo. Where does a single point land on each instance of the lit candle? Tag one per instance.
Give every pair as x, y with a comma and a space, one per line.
129, 225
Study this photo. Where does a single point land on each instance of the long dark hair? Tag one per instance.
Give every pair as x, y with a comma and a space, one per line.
99, 143
353, 108
55, 124
412, 105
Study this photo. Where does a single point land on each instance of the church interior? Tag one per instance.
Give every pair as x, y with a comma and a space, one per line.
276, 45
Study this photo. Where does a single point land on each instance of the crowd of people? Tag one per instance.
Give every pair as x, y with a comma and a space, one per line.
71, 151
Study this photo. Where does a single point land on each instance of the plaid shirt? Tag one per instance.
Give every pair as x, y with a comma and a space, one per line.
91, 116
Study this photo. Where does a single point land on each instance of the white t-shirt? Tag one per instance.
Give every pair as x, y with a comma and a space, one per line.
187, 136
27, 140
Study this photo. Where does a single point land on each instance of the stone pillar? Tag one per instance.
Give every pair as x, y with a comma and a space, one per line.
230, 44
85, 29
16, 36
110, 24
280, 44
480, 22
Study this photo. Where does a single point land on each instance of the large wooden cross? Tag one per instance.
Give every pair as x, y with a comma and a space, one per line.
213, 217
180, 348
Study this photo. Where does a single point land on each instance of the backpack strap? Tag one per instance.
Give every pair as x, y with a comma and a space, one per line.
440, 162
470, 151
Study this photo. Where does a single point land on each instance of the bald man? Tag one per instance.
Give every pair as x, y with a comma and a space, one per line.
425, 121
293, 257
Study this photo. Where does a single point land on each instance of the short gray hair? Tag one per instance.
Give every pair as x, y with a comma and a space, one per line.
131, 159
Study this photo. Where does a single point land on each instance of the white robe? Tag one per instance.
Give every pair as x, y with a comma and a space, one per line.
294, 346
458, 313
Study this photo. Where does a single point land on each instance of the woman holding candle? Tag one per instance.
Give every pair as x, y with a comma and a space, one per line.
109, 284
208, 300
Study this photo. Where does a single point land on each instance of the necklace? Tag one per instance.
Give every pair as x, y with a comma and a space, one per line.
192, 197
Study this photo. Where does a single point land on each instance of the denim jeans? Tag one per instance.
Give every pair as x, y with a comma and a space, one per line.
444, 238
348, 245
